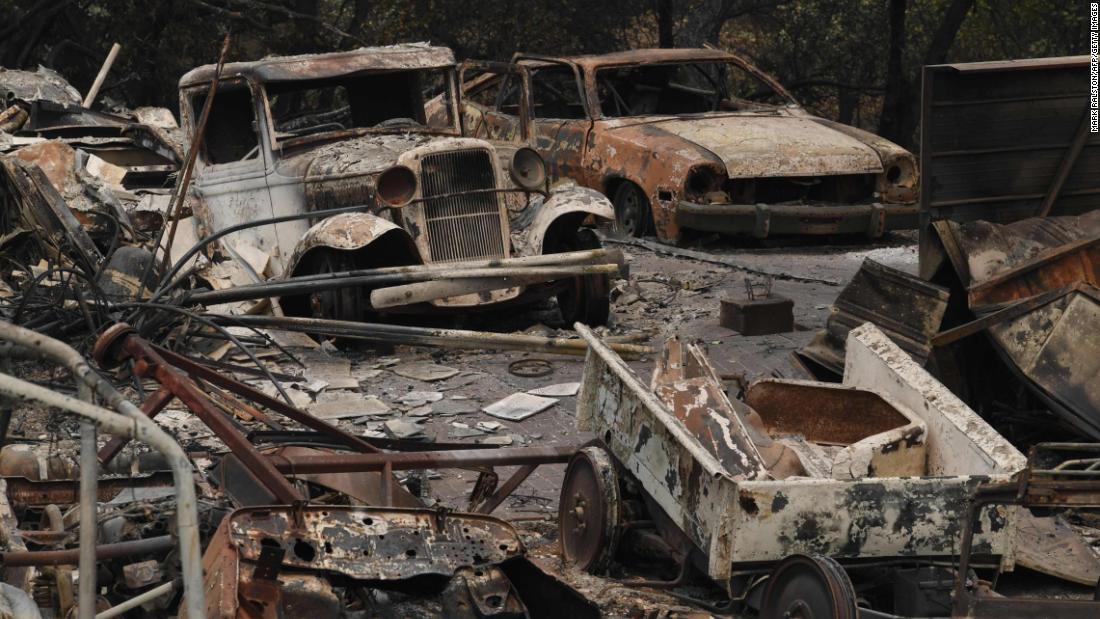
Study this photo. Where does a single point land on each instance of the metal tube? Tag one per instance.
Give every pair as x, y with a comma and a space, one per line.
89, 474
294, 286
569, 258
130, 423
421, 336
138, 600
71, 556
404, 461
93, 92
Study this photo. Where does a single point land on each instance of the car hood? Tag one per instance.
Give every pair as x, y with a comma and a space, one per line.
755, 146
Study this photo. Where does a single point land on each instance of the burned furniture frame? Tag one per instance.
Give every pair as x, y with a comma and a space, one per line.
177, 376
1048, 481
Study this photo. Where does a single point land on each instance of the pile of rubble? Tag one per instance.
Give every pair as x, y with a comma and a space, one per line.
220, 443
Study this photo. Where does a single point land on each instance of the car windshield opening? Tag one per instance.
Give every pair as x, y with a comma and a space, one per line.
681, 88
379, 101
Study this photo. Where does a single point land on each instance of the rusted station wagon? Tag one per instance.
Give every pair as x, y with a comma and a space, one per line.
699, 139
295, 135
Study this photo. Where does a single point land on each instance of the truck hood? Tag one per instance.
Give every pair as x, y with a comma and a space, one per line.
757, 146
358, 156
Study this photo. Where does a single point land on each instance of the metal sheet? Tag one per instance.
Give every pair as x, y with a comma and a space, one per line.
908, 309
371, 543
1056, 348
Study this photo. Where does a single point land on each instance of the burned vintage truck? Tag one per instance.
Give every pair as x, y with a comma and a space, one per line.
338, 149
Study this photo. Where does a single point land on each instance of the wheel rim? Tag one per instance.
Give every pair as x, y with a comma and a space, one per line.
628, 211
804, 587
588, 512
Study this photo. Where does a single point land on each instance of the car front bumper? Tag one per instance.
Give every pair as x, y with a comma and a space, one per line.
763, 220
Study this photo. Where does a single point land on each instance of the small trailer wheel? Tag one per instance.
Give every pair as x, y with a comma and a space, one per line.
588, 512
808, 587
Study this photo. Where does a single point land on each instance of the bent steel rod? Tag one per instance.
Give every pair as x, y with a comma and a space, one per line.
296, 286
422, 336
405, 461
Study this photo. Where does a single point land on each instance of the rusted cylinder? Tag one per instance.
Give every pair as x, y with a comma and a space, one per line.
118, 550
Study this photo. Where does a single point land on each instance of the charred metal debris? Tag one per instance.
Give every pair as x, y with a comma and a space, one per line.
162, 268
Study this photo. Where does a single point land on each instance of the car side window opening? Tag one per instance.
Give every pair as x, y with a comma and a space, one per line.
508, 98
375, 100
555, 94
231, 127
681, 88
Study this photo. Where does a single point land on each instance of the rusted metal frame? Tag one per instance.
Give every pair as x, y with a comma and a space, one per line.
200, 371
227, 402
354, 463
506, 489
1066, 166
23, 492
293, 286
117, 550
151, 364
152, 406
128, 421
527, 129
1025, 491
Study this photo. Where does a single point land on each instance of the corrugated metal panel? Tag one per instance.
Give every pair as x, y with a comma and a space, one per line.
994, 136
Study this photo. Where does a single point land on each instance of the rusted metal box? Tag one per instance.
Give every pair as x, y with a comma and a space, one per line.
760, 316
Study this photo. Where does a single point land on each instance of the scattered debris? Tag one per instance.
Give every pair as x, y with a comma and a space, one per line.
518, 406
530, 368
420, 398
349, 407
426, 372
560, 390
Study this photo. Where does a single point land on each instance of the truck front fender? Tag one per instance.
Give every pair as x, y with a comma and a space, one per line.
354, 232
563, 211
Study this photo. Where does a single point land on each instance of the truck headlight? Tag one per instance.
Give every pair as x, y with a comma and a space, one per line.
396, 186
528, 170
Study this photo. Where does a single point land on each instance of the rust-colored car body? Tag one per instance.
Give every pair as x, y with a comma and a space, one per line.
714, 171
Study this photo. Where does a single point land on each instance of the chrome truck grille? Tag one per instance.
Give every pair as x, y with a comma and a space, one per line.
461, 227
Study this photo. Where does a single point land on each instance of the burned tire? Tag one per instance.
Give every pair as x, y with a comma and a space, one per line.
808, 587
341, 303
633, 215
586, 299
589, 510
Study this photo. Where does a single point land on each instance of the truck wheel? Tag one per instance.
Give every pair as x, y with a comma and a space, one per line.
589, 509
340, 303
633, 216
808, 587
586, 298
